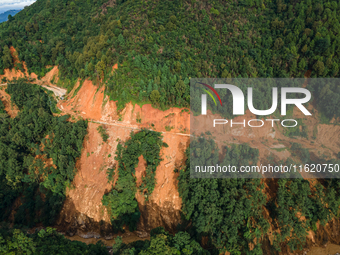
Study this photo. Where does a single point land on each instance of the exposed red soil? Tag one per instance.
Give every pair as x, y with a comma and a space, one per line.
90, 182
164, 204
14, 55
16, 74
91, 104
12, 110
329, 249
52, 75
328, 135
140, 170
87, 103
12, 74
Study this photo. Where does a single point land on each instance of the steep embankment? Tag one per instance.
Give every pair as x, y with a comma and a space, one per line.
16, 73
83, 208
12, 110
47, 81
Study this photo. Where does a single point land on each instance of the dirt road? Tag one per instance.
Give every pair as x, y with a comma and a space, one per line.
135, 128
60, 92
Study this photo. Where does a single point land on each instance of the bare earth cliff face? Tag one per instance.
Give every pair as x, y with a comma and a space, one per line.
83, 209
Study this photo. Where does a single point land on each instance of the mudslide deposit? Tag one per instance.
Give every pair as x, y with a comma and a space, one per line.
83, 208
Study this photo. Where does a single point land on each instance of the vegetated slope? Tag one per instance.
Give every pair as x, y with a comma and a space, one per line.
38, 153
50, 242
4, 16
19, 69
16, 241
160, 45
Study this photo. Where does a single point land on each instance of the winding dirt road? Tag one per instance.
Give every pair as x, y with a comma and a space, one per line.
135, 128
60, 92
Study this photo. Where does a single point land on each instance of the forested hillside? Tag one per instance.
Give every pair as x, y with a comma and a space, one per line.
37, 156
15, 241
159, 46
232, 211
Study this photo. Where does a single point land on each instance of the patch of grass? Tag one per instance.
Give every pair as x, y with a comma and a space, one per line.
185, 110
168, 128
184, 131
77, 89
315, 132
120, 117
324, 119
295, 131
53, 79
138, 118
103, 133
169, 115
67, 83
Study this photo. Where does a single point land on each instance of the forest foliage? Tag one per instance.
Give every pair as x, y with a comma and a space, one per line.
37, 156
159, 45
120, 201
228, 210
48, 241
45, 241
232, 211
161, 242
103, 133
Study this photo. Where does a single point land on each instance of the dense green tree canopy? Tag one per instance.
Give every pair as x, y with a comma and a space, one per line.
121, 201
160, 45
26, 143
